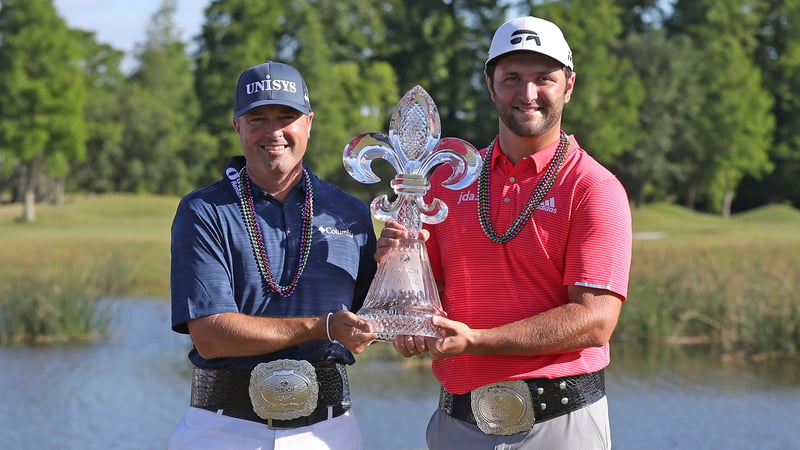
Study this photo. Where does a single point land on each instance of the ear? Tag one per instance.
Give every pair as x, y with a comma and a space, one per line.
235, 121
489, 85
569, 88
310, 122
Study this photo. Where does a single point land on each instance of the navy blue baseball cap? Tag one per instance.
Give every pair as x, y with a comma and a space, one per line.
270, 83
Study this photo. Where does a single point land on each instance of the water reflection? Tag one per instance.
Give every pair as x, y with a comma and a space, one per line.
118, 394
393, 400
692, 399
128, 393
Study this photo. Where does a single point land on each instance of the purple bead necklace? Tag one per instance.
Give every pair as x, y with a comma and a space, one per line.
257, 237
544, 185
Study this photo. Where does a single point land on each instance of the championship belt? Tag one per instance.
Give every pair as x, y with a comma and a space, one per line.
284, 389
503, 408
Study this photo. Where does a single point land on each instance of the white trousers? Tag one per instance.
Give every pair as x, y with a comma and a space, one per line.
205, 430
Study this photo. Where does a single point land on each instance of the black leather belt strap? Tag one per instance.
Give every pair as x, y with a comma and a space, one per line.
228, 390
551, 397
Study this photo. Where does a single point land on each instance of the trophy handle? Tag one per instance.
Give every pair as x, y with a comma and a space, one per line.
365, 148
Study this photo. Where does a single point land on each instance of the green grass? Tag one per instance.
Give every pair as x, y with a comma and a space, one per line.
698, 279
682, 227
132, 228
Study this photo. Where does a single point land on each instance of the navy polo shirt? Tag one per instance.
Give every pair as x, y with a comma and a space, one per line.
214, 269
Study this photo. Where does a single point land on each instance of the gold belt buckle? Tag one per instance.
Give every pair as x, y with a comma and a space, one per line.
284, 389
503, 408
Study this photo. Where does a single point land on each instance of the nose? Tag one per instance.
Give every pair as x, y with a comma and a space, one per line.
274, 129
529, 92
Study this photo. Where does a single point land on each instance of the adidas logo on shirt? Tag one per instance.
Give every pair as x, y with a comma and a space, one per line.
548, 205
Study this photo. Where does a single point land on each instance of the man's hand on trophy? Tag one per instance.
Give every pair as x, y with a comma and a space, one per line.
390, 238
458, 338
349, 330
409, 346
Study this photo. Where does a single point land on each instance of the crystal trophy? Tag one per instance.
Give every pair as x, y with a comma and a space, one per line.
403, 296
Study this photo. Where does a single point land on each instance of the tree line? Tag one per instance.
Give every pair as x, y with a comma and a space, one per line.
687, 101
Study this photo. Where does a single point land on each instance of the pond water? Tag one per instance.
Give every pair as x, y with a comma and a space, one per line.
129, 392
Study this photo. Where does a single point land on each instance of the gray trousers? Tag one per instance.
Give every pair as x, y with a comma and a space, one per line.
584, 429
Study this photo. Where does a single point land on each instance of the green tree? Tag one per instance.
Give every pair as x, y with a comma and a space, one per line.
42, 126
103, 115
164, 152
778, 56
349, 93
735, 129
674, 94
441, 46
603, 112
673, 98
641, 16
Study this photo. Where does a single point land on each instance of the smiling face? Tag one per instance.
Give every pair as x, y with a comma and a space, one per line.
274, 140
530, 91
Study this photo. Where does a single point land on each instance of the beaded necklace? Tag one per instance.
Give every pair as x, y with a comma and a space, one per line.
257, 237
544, 185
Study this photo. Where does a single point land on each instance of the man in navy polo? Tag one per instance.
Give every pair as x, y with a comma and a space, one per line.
268, 264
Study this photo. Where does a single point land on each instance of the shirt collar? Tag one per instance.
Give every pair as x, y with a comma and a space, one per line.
237, 162
299, 189
539, 159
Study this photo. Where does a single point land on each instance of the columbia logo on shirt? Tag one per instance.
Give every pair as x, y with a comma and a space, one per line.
548, 205
337, 232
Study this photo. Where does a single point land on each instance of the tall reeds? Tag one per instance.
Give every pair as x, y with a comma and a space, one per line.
60, 303
741, 297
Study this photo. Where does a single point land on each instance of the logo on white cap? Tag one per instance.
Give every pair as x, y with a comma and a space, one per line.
518, 36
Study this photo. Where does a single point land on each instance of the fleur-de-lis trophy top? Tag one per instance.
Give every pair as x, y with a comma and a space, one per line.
403, 295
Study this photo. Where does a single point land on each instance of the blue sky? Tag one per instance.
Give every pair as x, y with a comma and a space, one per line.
121, 23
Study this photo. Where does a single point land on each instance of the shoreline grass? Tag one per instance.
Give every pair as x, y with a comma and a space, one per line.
55, 271
696, 278
727, 284
51, 304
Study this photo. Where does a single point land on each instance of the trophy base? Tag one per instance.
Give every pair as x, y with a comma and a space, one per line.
390, 323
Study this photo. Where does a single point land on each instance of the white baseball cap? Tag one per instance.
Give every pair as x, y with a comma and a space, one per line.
530, 34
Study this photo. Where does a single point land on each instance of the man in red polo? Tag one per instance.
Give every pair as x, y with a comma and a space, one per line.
532, 265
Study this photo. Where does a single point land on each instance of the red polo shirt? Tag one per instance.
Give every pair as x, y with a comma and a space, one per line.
579, 235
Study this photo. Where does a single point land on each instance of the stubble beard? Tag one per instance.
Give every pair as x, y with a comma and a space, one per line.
551, 114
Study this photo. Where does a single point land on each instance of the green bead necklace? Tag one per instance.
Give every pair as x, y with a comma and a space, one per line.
542, 188
257, 237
